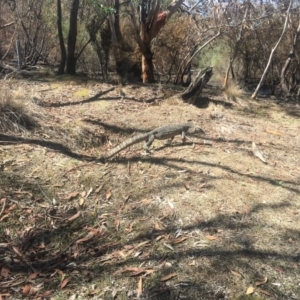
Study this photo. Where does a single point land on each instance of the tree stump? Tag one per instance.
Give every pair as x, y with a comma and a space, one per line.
191, 94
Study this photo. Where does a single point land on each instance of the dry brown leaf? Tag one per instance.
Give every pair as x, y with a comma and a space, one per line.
262, 281
5, 271
99, 189
273, 132
237, 274
168, 277
140, 287
17, 251
71, 196
138, 272
50, 154
144, 219
159, 237
61, 273
130, 226
136, 254
45, 294
141, 244
279, 269
4, 217
33, 275
59, 185
64, 283
81, 201
265, 292
108, 194
88, 237
179, 240
74, 217
7, 211
117, 224
212, 237
250, 290
89, 192
146, 201
26, 289
187, 186
114, 293
129, 269
257, 153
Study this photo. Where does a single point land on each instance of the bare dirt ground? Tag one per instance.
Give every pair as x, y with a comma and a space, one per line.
202, 220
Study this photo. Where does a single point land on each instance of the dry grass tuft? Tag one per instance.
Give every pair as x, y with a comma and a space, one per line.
233, 92
216, 108
175, 100
16, 114
81, 136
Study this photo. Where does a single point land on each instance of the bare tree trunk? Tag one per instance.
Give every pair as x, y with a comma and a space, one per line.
63, 53
117, 21
151, 20
147, 67
283, 80
71, 58
147, 56
19, 53
254, 95
116, 40
236, 48
33, 47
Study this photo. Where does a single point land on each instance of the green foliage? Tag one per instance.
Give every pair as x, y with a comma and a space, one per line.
217, 56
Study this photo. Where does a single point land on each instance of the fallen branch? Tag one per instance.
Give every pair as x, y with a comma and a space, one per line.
191, 94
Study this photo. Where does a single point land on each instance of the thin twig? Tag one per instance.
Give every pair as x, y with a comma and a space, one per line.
22, 258
44, 193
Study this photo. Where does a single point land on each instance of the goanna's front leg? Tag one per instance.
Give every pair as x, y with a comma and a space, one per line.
184, 137
149, 143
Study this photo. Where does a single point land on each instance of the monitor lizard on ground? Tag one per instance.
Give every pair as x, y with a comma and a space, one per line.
160, 133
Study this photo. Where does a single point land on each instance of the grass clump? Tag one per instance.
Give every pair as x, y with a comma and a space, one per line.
15, 114
233, 92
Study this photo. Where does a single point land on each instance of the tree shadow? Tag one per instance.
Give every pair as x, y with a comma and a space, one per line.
91, 99
55, 146
171, 163
111, 249
114, 128
204, 101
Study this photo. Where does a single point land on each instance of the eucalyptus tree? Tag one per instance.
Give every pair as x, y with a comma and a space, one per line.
151, 18
92, 13
254, 95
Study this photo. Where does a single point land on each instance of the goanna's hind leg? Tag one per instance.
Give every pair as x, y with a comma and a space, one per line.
170, 140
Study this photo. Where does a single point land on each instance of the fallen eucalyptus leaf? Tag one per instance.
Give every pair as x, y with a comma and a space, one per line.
257, 153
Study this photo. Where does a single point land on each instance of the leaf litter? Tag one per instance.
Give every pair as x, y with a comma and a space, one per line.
238, 209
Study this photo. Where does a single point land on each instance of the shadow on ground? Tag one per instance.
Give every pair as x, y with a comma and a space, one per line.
88, 245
